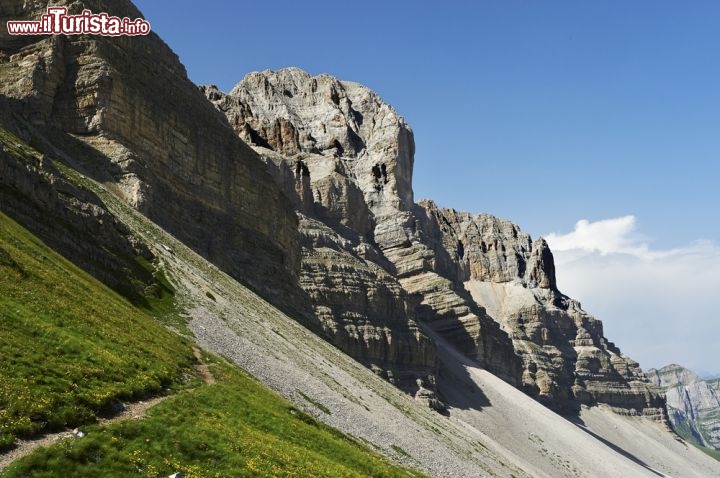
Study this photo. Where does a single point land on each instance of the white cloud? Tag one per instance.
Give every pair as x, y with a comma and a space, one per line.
659, 306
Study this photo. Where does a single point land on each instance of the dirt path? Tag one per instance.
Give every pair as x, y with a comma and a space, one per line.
202, 368
133, 411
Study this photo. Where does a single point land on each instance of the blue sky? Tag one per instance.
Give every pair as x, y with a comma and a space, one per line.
545, 113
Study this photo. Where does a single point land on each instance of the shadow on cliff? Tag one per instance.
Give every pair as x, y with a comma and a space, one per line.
69, 219
456, 388
491, 347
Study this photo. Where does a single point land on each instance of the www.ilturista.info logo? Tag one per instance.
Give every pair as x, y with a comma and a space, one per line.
57, 22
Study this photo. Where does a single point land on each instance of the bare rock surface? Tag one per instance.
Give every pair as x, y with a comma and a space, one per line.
672, 375
362, 308
124, 112
69, 218
489, 427
425, 298
346, 159
693, 404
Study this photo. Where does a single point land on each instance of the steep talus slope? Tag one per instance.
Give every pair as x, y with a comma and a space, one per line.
345, 157
490, 428
693, 404
73, 351
123, 111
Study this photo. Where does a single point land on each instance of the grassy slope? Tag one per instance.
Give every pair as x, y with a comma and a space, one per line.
234, 428
71, 346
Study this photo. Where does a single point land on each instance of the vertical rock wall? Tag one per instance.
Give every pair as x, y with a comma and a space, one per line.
125, 113
477, 280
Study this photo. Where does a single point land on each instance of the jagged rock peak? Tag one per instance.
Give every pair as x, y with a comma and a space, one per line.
489, 248
292, 112
672, 375
345, 159
349, 112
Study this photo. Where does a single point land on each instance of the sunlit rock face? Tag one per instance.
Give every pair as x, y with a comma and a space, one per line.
693, 404
345, 158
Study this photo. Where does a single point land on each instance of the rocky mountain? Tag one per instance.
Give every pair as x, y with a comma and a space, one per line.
122, 111
345, 159
289, 201
693, 404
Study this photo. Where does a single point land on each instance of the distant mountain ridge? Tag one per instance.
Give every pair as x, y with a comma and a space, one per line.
693, 403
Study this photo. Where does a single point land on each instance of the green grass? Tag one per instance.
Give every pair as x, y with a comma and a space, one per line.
399, 450
135, 278
685, 431
315, 403
713, 453
70, 346
15, 146
157, 295
234, 428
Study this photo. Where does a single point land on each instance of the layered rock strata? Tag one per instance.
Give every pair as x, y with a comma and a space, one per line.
693, 404
566, 358
33, 189
375, 266
125, 113
363, 309
346, 160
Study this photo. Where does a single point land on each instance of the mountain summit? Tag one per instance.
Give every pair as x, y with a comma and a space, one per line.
345, 158
693, 404
276, 227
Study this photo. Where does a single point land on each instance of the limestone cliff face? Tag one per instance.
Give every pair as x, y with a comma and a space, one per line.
329, 159
363, 309
671, 376
566, 358
67, 217
126, 114
346, 159
693, 404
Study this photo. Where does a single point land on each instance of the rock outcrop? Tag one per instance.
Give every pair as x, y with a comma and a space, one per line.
566, 358
33, 189
373, 266
346, 160
361, 308
124, 112
693, 404
318, 215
